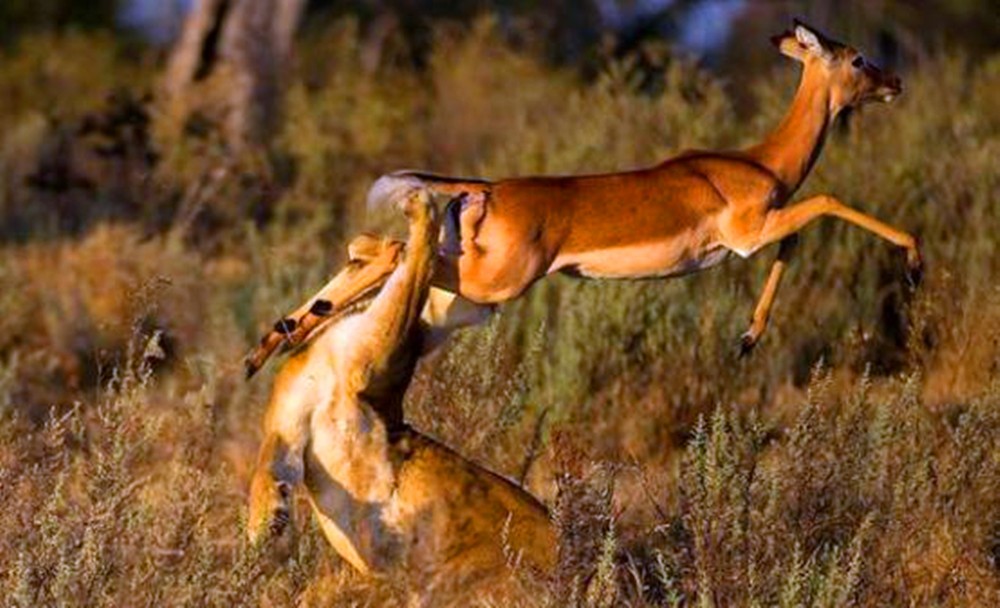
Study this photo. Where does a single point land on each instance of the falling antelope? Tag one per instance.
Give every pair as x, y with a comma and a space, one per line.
685, 214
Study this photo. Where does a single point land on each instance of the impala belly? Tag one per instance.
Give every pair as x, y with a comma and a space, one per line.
665, 258
649, 223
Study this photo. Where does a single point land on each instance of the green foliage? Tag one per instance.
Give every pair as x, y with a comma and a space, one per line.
62, 76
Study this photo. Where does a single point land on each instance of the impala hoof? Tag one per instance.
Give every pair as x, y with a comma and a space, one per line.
747, 344
278, 542
914, 271
250, 368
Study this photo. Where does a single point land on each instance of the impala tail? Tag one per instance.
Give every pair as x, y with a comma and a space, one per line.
392, 188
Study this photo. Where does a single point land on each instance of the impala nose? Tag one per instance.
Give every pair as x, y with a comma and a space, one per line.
895, 84
890, 88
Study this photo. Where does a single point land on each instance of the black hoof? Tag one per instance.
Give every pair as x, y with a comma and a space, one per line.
914, 276
747, 344
250, 368
914, 266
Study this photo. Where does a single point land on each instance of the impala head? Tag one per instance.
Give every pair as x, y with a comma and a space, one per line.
853, 79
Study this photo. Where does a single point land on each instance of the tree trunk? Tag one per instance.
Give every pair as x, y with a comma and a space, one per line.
227, 68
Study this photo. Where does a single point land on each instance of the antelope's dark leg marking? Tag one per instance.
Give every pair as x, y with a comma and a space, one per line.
285, 326
321, 308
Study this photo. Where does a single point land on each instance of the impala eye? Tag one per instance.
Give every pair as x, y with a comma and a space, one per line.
858, 62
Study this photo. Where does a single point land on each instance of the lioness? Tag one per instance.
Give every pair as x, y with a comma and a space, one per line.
388, 498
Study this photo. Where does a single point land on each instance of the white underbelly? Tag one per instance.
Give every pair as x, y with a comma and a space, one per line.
641, 261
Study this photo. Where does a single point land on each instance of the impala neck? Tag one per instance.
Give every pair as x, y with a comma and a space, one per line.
793, 147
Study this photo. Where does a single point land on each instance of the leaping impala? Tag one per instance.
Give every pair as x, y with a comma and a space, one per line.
686, 214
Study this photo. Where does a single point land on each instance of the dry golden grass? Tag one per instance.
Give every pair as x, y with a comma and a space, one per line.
852, 460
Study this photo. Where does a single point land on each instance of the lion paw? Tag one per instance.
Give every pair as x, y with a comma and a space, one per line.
417, 204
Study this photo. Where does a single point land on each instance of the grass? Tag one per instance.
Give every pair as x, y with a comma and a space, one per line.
852, 460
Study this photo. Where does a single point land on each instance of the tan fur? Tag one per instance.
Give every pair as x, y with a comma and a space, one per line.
389, 499
370, 261
683, 215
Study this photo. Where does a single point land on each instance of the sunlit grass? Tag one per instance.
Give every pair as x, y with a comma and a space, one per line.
852, 459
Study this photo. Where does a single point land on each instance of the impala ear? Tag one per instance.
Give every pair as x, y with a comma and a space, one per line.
814, 42
802, 42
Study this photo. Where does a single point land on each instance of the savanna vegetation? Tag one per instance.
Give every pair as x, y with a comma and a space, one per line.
853, 459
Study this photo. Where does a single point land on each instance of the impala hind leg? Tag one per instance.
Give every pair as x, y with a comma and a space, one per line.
371, 260
762, 311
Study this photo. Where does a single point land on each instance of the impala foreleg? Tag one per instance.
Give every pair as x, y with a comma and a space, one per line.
762, 311
446, 312
783, 225
787, 221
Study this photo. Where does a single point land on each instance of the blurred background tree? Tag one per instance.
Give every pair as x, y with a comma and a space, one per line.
571, 29
229, 56
249, 40
714, 29
227, 64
